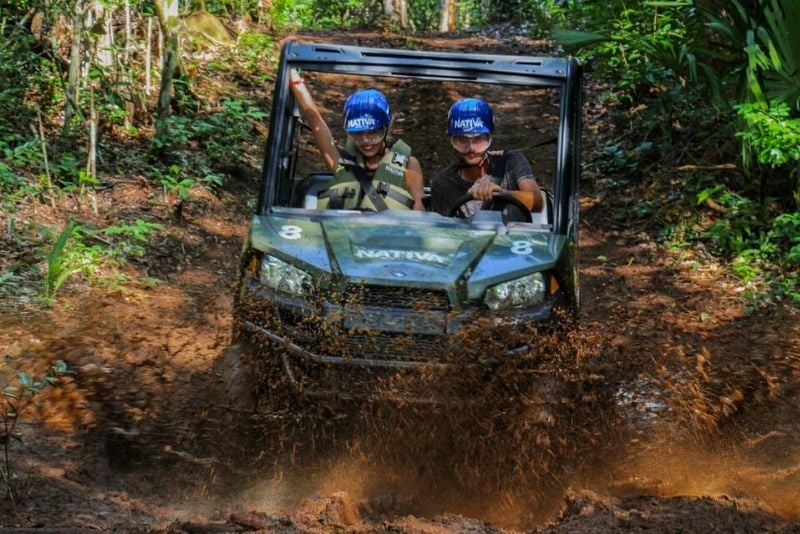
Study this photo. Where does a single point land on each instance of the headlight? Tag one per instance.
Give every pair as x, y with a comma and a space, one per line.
282, 276
520, 293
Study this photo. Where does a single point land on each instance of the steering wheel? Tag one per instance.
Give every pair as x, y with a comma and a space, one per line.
500, 199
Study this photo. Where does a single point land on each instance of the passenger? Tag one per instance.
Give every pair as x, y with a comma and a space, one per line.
368, 173
479, 171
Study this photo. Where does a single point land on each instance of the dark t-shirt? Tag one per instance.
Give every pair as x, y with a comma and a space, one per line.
447, 187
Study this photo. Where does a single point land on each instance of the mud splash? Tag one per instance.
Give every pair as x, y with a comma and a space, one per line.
479, 428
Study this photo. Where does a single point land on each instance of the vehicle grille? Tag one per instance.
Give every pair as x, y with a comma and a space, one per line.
397, 297
387, 346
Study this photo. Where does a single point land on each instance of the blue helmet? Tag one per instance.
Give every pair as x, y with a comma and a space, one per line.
365, 110
470, 116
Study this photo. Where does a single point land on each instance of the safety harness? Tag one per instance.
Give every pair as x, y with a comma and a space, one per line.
352, 188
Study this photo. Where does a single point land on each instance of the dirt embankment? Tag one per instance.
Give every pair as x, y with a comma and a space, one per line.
681, 413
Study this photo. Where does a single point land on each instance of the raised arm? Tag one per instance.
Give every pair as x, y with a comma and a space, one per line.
322, 134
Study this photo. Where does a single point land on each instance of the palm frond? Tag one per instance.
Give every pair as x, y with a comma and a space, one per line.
577, 39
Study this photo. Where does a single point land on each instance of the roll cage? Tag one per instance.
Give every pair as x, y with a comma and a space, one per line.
563, 74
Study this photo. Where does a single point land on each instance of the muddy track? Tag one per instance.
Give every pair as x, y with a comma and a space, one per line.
676, 409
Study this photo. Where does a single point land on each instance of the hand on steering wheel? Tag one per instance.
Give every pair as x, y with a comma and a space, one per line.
500, 199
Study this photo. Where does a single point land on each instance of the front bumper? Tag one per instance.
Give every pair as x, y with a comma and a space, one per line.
321, 342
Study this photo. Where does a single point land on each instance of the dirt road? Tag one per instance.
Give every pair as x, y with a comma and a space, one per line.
693, 424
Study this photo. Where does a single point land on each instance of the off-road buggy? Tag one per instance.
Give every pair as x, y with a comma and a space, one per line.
341, 302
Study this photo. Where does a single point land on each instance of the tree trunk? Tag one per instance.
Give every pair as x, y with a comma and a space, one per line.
452, 16
447, 17
169, 67
130, 106
401, 8
74, 74
105, 41
148, 56
388, 10
91, 160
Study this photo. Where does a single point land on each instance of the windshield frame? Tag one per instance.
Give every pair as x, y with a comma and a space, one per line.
562, 74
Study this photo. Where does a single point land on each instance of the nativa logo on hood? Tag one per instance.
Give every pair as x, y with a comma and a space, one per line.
363, 253
364, 121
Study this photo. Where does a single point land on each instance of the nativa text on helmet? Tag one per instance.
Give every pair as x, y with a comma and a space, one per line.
469, 124
364, 121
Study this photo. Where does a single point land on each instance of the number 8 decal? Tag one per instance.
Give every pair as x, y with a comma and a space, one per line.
290, 231
521, 247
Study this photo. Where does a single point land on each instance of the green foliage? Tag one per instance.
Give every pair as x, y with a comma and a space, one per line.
424, 14
58, 270
536, 16
173, 182
20, 69
71, 175
761, 248
758, 48
739, 227
734, 29
225, 132
771, 134
16, 400
772, 138
640, 47
96, 250
149, 281
257, 49
288, 14
110, 94
773, 51
19, 279
222, 134
785, 233
79, 248
132, 236
17, 153
345, 13
667, 61
539, 16
617, 161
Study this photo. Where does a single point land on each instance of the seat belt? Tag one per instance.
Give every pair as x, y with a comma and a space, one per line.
337, 196
368, 189
387, 191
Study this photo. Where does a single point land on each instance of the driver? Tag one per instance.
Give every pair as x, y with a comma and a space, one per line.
368, 173
479, 171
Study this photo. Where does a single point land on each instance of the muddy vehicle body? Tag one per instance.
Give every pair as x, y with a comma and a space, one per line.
332, 301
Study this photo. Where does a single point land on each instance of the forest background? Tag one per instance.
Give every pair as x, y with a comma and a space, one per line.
703, 95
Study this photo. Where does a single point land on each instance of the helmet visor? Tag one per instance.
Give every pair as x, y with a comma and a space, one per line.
370, 137
465, 144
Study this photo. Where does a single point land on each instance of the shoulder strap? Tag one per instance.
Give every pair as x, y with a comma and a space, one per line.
401, 147
366, 185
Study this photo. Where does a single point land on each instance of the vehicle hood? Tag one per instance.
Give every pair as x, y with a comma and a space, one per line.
406, 252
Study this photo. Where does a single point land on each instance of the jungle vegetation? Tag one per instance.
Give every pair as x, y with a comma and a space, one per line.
703, 95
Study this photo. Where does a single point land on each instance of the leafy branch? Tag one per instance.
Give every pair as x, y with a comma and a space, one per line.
16, 400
